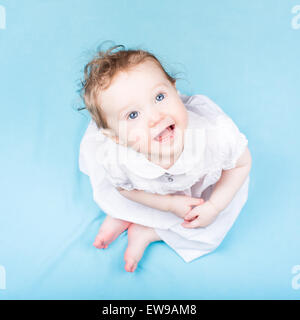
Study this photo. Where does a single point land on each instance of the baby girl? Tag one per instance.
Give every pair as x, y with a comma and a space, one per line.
185, 159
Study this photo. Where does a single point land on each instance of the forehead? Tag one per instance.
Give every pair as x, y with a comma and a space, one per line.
131, 86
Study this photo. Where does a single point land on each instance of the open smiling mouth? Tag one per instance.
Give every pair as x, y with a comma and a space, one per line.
166, 134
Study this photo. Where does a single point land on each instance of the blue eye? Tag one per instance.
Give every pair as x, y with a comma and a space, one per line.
133, 115
160, 95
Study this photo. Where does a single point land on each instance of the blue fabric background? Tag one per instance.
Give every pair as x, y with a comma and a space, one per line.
244, 55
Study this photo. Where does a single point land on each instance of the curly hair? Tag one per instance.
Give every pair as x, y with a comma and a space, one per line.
100, 71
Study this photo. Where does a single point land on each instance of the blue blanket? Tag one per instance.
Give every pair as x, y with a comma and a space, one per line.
242, 54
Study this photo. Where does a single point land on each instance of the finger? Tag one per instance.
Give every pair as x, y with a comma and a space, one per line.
196, 201
192, 214
192, 224
186, 220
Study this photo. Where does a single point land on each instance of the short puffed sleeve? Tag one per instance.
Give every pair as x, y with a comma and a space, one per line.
98, 159
225, 142
231, 143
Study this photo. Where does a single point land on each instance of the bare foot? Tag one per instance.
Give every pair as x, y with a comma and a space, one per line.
139, 237
110, 229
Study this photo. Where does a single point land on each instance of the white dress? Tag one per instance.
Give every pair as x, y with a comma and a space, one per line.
212, 143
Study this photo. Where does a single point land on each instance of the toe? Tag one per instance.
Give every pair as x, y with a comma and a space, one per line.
99, 243
130, 265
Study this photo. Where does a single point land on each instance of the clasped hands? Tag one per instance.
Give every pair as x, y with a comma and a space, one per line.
195, 211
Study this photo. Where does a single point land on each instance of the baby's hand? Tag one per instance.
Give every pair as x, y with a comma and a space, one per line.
201, 216
181, 205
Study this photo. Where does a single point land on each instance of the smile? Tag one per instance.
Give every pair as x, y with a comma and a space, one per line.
166, 135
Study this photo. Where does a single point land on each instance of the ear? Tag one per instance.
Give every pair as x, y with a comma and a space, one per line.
110, 134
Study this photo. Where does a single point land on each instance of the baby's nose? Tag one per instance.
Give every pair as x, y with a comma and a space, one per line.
154, 119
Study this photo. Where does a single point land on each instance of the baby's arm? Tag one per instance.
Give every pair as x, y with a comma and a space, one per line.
224, 191
177, 204
231, 181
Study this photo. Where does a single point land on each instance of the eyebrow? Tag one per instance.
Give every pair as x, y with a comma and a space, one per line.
162, 84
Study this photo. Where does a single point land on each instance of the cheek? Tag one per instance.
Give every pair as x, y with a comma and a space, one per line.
134, 135
135, 139
182, 118
139, 138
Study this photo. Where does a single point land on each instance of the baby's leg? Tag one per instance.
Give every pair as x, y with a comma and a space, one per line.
110, 229
139, 237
